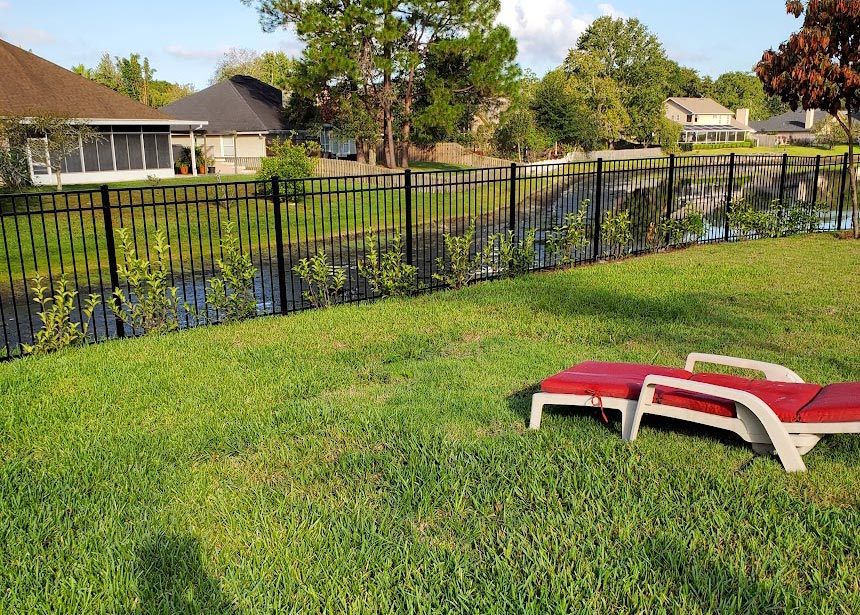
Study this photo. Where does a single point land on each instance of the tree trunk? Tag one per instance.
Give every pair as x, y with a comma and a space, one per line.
361, 152
852, 170
387, 119
407, 120
59, 175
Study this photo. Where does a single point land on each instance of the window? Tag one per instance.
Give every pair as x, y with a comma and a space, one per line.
156, 150
689, 119
227, 148
38, 154
120, 148
72, 162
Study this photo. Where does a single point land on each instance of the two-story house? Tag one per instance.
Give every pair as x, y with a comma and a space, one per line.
706, 121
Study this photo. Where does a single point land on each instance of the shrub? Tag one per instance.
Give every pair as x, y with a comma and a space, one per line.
679, 232
14, 168
152, 306
565, 240
616, 233
387, 274
514, 258
288, 160
792, 219
58, 330
232, 294
325, 282
458, 267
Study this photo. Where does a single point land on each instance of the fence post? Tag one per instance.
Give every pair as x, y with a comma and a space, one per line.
279, 240
407, 186
730, 193
815, 180
842, 192
782, 181
512, 214
670, 197
598, 197
111, 254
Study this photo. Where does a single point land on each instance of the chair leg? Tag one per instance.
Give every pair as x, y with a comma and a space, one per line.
537, 411
630, 424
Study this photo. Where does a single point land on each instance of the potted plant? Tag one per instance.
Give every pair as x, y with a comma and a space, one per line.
183, 168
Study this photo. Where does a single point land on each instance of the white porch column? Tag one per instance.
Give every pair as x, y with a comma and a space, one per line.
235, 156
193, 154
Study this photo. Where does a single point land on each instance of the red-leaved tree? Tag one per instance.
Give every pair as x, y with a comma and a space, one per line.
819, 68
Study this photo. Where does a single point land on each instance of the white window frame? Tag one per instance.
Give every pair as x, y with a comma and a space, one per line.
227, 144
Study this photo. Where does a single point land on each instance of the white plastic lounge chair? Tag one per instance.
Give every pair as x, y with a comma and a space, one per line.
780, 414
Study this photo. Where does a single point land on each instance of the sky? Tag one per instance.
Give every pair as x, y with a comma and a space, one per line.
183, 40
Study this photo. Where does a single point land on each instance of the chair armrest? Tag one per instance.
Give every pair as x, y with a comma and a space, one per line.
771, 371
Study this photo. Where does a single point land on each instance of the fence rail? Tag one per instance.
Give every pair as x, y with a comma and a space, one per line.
280, 222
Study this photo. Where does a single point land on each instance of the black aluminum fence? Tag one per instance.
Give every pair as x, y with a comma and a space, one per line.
279, 223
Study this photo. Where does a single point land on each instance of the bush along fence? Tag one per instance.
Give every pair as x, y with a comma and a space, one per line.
87, 265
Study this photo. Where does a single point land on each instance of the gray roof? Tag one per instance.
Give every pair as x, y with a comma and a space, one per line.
793, 121
700, 105
240, 104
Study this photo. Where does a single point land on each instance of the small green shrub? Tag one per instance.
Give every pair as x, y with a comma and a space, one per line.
58, 330
459, 267
288, 160
792, 219
678, 232
325, 282
388, 274
152, 306
565, 240
513, 257
231, 294
616, 233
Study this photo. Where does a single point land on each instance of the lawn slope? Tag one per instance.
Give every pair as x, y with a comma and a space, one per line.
375, 458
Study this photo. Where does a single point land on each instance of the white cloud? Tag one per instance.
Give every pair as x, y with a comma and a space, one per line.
26, 37
545, 30
186, 53
4, 5
610, 11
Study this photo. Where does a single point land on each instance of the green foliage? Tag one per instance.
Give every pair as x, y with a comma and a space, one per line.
510, 256
459, 267
14, 166
387, 273
690, 147
273, 67
616, 232
678, 232
736, 90
58, 331
151, 306
518, 134
561, 112
668, 134
231, 294
288, 160
564, 240
325, 282
134, 78
776, 221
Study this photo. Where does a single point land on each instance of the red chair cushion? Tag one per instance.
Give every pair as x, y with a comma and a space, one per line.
836, 403
619, 380
786, 399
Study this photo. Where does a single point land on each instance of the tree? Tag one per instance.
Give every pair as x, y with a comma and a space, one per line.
273, 67
627, 52
684, 81
560, 110
518, 133
58, 137
828, 132
819, 68
134, 78
377, 50
14, 165
736, 90
599, 94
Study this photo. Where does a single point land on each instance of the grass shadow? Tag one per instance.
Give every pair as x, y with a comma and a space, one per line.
520, 402
172, 579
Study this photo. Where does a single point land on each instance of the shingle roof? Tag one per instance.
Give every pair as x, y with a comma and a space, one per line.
793, 121
240, 104
30, 85
700, 105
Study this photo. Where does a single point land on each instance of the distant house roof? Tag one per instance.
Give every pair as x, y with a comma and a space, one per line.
239, 104
30, 85
700, 105
792, 121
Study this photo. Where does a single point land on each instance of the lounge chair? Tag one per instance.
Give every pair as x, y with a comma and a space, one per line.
780, 414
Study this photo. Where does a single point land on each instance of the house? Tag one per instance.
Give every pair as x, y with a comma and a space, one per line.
792, 127
244, 116
135, 141
706, 121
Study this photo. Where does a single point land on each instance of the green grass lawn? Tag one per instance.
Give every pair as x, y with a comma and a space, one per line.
791, 150
374, 458
437, 166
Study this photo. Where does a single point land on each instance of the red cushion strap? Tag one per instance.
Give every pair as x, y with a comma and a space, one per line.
595, 397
